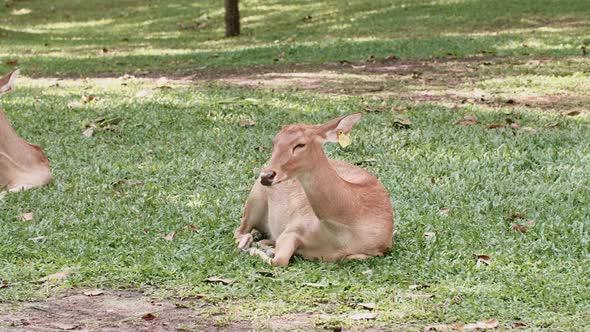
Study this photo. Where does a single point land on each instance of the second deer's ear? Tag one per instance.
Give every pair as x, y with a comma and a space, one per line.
344, 124
7, 82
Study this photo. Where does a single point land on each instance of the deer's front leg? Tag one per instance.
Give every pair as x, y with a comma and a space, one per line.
255, 213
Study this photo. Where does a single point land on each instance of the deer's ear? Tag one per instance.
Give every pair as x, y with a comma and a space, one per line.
329, 130
7, 82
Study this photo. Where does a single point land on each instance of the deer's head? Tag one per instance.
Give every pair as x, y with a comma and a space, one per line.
298, 148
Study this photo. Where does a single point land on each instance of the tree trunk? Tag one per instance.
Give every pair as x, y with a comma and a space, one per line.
232, 18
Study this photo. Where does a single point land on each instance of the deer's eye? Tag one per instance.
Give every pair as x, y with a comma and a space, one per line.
298, 146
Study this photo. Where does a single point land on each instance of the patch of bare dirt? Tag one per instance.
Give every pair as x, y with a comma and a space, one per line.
486, 80
110, 311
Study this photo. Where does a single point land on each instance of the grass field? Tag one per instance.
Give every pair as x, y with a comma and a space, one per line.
176, 155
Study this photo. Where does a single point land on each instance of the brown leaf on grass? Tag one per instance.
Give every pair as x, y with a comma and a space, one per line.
94, 293
401, 121
26, 216
89, 98
490, 324
496, 125
517, 325
149, 316
367, 305
365, 316
514, 216
444, 211
572, 113
418, 287
88, 132
483, 259
247, 123
75, 104
170, 236
12, 63
191, 227
55, 277
419, 296
219, 280
468, 120
437, 327
520, 228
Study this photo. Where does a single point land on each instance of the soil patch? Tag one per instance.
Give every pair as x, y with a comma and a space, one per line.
111, 311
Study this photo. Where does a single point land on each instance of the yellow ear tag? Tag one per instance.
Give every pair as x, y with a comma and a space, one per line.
343, 139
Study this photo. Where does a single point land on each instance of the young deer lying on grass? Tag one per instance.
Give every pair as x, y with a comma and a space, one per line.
22, 165
310, 205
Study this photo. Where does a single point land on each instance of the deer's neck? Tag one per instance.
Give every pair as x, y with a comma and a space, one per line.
330, 196
13, 148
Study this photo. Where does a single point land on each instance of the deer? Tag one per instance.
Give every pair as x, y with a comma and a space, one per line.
22, 165
306, 204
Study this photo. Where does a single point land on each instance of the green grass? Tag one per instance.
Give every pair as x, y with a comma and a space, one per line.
67, 38
197, 164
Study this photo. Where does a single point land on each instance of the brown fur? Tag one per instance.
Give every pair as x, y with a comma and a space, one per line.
318, 208
22, 165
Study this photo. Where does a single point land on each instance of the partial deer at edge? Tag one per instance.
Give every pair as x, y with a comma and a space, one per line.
309, 205
22, 165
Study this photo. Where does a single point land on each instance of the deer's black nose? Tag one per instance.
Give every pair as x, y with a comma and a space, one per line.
267, 178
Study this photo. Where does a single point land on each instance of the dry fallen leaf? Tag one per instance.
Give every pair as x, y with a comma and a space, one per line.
572, 113
94, 293
367, 305
418, 287
437, 327
26, 216
401, 121
343, 139
516, 216
490, 324
517, 325
247, 123
56, 276
365, 316
496, 125
520, 228
219, 280
170, 236
444, 211
88, 98
76, 105
429, 235
468, 120
419, 296
88, 132
191, 227
485, 259
149, 316
12, 63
